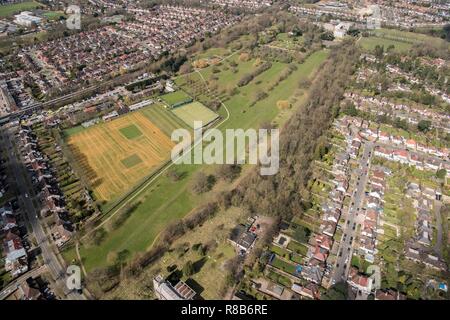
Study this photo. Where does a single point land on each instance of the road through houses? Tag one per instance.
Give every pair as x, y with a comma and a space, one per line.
57, 270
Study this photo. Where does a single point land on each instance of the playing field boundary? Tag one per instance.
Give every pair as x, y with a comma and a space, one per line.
140, 184
129, 196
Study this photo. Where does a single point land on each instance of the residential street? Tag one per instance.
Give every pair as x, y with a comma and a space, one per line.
13, 286
31, 215
345, 250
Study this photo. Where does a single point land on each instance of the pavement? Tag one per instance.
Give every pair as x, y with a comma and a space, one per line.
26, 193
345, 250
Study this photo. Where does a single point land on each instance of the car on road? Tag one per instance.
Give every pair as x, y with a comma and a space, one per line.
354, 226
26, 195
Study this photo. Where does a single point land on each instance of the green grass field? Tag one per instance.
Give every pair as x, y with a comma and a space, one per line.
174, 98
402, 40
15, 8
131, 132
54, 15
166, 200
371, 42
131, 161
164, 119
195, 111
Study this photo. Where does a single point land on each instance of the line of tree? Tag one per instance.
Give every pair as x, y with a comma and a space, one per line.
285, 194
250, 76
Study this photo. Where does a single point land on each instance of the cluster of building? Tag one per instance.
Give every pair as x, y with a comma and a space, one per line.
413, 14
13, 94
43, 178
411, 158
4, 185
246, 4
398, 14
396, 71
373, 209
418, 249
243, 236
14, 248
7, 28
399, 149
96, 55
317, 270
27, 19
409, 113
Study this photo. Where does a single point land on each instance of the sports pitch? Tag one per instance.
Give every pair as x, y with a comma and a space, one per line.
116, 155
177, 98
195, 111
15, 8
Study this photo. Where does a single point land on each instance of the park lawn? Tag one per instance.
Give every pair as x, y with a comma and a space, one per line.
175, 97
15, 8
195, 111
73, 131
370, 43
268, 77
406, 36
161, 204
54, 15
212, 53
131, 132
164, 200
226, 77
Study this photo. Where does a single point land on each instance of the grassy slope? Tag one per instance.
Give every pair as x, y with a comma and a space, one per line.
164, 201
371, 42
10, 9
402, 40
